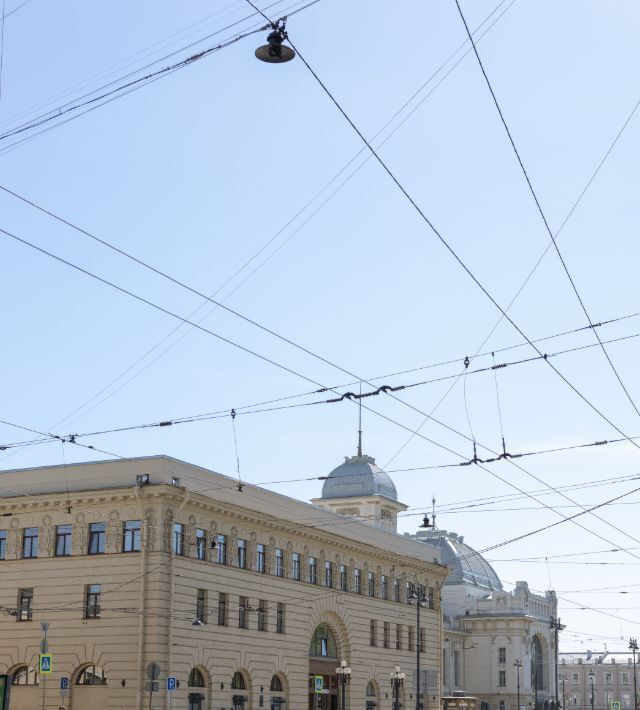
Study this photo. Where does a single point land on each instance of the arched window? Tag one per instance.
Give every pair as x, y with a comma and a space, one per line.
323, 643
237, 682
502, 705
92, 675
371, 696
277, 701
24, 676
276, 685
537, 675
196, 679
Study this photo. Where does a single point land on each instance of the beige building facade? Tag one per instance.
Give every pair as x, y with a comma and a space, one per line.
244, 596
597, 680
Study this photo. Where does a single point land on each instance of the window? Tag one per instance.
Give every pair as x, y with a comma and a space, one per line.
237, 682
386, 632
221, 546
372, 632
371, 584
328, 574
502, 705
383, 587
357, 582
279, 562
422, 641
178, 539
242, 613
63, 540
276, 685
280, 618
25, 605
502, 655
398, 636
625, 679
131, 536
410, 646
313, 578
3, 544
323, 643
97, 537
262, 615
201, 544
196, 679
92, 601
260, 559
24, 676
343, 578
242, 554
396, 590
30, 543
431, 598
456, 669
295, 566
92, 675
608, 678
575, 679
222, 609
502, 679
201, 606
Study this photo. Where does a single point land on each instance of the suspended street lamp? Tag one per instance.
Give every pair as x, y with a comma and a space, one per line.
275, 52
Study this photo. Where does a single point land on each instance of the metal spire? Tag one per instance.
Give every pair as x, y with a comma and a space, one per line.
360, 424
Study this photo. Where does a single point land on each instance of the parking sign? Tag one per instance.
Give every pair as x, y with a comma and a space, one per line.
171, 683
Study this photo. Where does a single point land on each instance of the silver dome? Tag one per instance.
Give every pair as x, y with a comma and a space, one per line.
466, 566
358, 476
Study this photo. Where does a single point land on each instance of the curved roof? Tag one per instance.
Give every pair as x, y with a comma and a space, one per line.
465, 564
358, 476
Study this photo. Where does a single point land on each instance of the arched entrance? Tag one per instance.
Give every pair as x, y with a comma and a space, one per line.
537, 673
323, 661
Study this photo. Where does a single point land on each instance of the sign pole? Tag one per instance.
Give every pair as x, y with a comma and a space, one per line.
44, 648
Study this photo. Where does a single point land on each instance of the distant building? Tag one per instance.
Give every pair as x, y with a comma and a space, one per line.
244, 595
486, 630
610, 674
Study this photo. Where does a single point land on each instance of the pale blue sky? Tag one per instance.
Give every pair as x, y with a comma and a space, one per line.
197, 171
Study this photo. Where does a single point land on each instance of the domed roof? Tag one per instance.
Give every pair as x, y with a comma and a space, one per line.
358, 476
465, 564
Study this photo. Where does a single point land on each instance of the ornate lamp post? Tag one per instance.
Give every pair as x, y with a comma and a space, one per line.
344, 678
420, 599
592, 680
633, 646
397, 679
518, 666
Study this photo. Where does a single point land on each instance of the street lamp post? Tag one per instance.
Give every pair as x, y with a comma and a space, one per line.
344, 678
633, 646
563, 678
397, 679
556, 626
592, 680
418, 596
518, 666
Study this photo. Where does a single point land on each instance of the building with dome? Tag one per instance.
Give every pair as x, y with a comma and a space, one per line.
361, 489
487, 629
249, 599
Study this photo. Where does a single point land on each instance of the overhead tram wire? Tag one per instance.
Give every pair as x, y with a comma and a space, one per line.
539, 207
311, 201
88, 101
362, 150
529, 276
449, 248
201, 328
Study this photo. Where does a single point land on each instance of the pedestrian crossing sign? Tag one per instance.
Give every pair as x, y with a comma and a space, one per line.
318, 683
45, 663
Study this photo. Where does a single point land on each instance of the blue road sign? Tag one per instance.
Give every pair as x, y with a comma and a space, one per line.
45, 663
64, 683
171, 683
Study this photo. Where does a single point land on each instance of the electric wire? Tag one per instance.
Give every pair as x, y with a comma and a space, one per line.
539, 206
